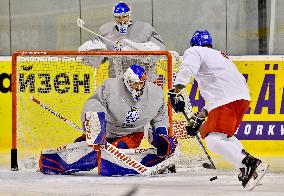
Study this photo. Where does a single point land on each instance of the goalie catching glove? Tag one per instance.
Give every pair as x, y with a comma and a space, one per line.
177, 101
194, 124
165, 145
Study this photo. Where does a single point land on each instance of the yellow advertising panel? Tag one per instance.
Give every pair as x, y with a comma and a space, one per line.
6, 104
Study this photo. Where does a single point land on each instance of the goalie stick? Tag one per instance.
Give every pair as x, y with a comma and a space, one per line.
55, 113
116, 152
205, 165
80, 23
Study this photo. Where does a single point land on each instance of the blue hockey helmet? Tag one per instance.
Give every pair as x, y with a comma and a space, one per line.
121, 9
134, 79
201, 38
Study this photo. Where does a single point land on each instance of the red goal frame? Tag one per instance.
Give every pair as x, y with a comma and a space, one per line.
14, 162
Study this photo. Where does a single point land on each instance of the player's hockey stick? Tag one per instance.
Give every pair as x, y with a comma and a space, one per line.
116, 152
205, 165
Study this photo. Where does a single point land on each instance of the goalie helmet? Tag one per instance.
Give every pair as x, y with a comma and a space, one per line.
120, 11
201, 38
134, 79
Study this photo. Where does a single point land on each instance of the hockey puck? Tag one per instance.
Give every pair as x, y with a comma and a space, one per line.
213, 178
207, 166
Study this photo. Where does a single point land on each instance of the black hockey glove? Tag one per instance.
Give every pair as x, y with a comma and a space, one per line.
194, 125
177, 101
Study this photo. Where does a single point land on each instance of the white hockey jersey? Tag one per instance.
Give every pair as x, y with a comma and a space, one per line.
123, 114
139, 32
218, 79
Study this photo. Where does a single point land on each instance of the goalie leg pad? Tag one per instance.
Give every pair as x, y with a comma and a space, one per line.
111, 166
108, 168
54, 164
68, 159
85, 163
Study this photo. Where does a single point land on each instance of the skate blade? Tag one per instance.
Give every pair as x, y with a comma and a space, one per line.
261, 170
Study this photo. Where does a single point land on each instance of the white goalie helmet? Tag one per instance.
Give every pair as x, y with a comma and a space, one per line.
134, 79
121, 12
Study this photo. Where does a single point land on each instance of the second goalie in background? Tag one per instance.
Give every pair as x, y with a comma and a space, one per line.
124, 29
124, 34
129, 103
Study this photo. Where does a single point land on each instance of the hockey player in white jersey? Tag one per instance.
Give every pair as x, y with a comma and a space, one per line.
227, 96
128, 104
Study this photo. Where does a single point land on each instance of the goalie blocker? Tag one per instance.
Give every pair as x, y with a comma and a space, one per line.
111, 161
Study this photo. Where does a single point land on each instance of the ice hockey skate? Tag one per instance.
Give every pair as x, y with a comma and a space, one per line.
254, 171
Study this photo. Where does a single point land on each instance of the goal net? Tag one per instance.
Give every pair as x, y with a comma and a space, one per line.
63, 81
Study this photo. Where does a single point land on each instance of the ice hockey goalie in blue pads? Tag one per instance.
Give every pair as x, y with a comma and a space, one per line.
80, 157
129, 104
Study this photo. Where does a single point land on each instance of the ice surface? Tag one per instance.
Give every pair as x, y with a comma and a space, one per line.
184, 182
26, 182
